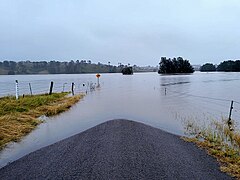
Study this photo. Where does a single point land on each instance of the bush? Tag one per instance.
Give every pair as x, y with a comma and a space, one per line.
208, 67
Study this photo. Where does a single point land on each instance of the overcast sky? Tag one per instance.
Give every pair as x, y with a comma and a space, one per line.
127, 31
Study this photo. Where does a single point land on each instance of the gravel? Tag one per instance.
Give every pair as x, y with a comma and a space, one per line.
117, 149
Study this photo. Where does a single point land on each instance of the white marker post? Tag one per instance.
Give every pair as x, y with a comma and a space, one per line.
17, 90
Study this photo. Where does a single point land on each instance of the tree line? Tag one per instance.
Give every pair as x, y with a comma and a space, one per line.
175, 65
225, 66
70, 67
56, 67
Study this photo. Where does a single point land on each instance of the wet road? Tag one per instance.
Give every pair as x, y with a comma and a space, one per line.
117, 149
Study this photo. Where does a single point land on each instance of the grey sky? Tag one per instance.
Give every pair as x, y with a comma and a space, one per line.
127, 31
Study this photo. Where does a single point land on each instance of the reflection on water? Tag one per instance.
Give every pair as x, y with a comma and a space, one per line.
140, 97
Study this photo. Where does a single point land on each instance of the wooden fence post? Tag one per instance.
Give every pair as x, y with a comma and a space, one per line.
51, 88
229, 118
30, 88
73, 89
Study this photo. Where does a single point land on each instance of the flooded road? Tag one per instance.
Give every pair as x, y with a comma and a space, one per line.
160, 101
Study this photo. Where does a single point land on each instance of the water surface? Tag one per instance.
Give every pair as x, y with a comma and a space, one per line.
160, 101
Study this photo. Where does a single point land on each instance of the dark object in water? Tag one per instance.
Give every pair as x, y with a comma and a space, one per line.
127, 71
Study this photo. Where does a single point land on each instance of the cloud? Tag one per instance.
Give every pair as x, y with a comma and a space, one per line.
139, 32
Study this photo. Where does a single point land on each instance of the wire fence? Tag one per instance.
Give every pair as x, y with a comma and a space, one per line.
36, 87
210, 107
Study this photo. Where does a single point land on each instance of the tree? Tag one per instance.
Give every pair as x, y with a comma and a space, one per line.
56, 67
6, 64
52, 67
166, 66
127, 71
12, 65
237, 65
227, 66
174, 66
21, 68
11, 72
208, 67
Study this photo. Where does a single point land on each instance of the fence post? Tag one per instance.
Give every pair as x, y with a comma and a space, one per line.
229, 118
51, 88
64, 86
73, 89
17, 90
30, 88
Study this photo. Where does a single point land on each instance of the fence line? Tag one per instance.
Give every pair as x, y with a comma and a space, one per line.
237, 102
234, 110
206, 100
35, 88
204, 97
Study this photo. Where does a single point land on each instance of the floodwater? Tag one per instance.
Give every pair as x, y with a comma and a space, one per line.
160, 101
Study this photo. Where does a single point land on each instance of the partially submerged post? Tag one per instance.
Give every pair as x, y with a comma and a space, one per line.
17, 90
64, 86
229, 122
30, 88
51, 88
73, 89
98, 76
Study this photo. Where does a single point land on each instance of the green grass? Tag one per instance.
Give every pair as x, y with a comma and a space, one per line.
11, 105
219, 141
19, 117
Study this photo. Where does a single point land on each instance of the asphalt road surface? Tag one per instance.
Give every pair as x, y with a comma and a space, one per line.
117, 149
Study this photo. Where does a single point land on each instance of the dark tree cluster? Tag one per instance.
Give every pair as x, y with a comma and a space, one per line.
127, 71
226, 66
175, 65
56, 67
208, 67
229, 66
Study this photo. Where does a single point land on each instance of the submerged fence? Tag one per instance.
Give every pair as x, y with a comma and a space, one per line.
19, 88
210, 107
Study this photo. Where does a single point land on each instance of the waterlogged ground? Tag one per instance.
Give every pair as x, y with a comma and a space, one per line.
161, 101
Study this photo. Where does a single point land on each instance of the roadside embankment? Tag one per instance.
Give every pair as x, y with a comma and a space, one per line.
19, 117
117, 149
221, 139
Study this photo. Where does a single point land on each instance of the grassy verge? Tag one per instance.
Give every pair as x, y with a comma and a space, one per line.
220, 142
19, 117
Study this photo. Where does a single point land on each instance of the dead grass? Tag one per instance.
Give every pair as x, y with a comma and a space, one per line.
220, 142
19, 117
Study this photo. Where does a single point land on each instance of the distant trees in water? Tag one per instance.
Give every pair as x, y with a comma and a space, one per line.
70, 67
226, 66
56, 67
127, 71
175, 65
208, 67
